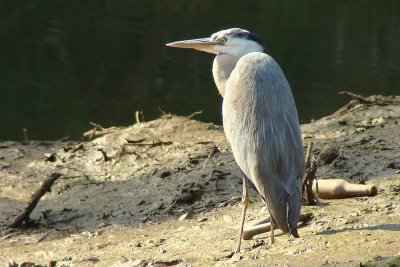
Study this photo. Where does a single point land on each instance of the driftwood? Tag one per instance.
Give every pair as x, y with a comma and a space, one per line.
359, 99
97, 131
46, 187
264, 227
309, 177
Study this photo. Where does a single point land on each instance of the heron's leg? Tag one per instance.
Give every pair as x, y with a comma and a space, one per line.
245, 202
272, 232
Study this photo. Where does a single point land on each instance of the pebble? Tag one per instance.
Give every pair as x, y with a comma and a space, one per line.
183, 217
227, 218
182, 228
393, 165
263, 210
236, 257
203, 219
165, 174
328, 154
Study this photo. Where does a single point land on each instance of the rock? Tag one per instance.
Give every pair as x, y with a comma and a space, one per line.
203, 219
227, 218
180, 229
183, 217
393, 165
188, 196
328, 154
165, 174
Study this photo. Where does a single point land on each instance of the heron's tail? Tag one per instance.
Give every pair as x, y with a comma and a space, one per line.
293, 212
284, 209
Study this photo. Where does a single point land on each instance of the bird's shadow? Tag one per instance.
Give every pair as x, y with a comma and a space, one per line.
387, 227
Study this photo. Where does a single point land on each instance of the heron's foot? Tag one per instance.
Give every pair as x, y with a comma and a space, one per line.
272, 233
237, 251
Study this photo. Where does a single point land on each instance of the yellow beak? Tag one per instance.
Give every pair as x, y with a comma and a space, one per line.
204, 44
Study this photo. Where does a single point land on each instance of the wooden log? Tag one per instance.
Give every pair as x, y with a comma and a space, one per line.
249, 232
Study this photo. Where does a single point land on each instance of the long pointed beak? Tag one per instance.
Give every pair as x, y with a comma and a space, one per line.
204, 44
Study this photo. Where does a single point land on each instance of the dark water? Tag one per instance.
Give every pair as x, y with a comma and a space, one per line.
65, 63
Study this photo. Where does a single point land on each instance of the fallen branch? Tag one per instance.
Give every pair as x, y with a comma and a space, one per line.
46, 187
371, 100
194, 114
363, 100
158, 143
347, 107
213, 150
98, 131
249, 232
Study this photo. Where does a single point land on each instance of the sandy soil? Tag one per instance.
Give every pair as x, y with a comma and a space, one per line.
167, 193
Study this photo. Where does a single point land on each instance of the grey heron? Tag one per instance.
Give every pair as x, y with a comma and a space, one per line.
260, 122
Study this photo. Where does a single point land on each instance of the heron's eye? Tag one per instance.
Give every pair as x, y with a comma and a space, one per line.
221, 40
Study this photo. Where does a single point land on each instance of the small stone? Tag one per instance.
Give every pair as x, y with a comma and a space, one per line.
328, 154
230, 255
227, 218
393, 165
182, 228
183, 217
165, 174
236, 257
293, 252
378, 257
52, 157
203, 219
263, 210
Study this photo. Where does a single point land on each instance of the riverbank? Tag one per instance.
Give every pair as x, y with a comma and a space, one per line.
167, 192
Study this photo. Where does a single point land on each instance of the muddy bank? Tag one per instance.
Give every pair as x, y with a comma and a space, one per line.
167, 192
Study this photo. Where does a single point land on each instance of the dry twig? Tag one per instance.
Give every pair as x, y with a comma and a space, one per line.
26, 138
46, 187
371, 100
139, 116
194, 114
309, 177
359, 99
97, 131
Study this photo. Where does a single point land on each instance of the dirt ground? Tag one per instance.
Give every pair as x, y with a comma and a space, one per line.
168, 193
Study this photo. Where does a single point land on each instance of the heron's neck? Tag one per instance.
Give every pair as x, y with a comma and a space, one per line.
222, 68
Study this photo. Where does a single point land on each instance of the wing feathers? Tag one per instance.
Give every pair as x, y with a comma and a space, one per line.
261, 124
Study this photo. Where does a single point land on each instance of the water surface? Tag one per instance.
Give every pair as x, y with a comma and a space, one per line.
66, 63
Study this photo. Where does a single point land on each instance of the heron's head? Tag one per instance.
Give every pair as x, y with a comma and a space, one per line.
236, 42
